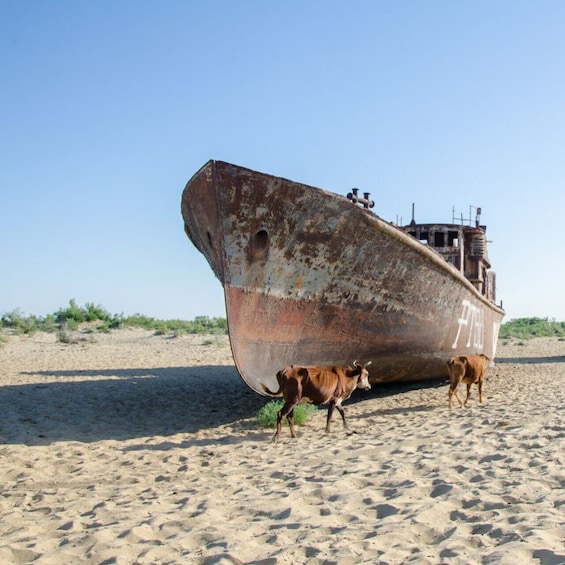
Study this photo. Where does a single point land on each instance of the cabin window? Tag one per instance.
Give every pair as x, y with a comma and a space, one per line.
453, 239
424, 236
439, 239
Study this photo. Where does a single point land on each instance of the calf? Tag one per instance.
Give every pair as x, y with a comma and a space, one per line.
318, 385
468, 369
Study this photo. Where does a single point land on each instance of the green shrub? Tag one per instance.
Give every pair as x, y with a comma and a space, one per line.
96, 313
138, 321
526, 328
176, 327
267, 415
64, 335
71, 325
16, 321
178, 332
90, 312
161, 328
49, 324
73, 315
72, 312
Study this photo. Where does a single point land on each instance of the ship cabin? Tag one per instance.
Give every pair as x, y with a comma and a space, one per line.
464, 247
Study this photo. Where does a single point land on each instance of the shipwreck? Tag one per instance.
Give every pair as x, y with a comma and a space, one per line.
315, 278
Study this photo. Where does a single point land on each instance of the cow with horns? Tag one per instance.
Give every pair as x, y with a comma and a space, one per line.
317, 385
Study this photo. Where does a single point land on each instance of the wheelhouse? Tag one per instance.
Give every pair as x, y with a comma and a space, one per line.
464, 247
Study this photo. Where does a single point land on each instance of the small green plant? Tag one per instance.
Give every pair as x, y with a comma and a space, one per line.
72, 312
65, 336
161, 328
19, 323
71, 325
49, 324
178, 332
215, 340
267, 415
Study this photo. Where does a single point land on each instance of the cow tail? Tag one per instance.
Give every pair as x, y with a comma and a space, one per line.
270, 392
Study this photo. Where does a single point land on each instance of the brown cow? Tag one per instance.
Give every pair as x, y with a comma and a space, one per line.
318, 385
468, 369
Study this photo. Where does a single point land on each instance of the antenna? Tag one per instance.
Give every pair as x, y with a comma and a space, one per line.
413, 222
469, 221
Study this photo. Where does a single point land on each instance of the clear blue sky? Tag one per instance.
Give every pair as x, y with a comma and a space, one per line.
107, 108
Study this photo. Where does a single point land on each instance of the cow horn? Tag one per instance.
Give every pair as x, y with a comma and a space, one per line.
367, 364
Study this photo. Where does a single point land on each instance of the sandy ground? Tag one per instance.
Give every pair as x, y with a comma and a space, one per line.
133, 448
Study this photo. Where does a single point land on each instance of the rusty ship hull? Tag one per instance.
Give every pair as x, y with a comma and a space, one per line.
310, 278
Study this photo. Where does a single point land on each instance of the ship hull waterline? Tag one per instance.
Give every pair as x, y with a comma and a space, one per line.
311, 279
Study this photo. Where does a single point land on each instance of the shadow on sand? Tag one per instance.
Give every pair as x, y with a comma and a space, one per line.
556, 359
127, 404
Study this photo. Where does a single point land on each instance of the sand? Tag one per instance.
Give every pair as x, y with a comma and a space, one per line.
133, 448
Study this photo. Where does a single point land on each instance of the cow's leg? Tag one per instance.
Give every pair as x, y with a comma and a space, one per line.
285, 411
453, 391
279, 426
330, 414
341, 411
290, 418
480, 385
468, 393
